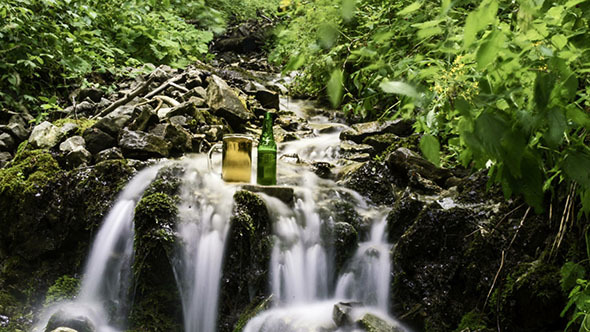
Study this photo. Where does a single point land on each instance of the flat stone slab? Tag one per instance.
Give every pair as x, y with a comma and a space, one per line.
285, 194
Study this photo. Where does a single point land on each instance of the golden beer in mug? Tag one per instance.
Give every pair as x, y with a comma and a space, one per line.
236, 158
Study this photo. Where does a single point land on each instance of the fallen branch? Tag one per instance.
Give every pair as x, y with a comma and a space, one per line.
164, 86
127, 98
170, 101
179, 87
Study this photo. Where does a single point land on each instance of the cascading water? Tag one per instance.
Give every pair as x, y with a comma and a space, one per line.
205, 210
106, 278
301, 268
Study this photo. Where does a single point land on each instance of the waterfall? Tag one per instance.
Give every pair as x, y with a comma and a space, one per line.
105, 283
204, 211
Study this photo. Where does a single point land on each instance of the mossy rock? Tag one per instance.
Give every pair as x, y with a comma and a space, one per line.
64, 288
245, 275
373, 180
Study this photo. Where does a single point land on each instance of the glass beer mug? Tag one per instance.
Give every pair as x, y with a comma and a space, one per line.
236, 157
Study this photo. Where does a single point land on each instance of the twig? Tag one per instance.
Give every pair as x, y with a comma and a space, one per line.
170, 101
160, 102
179, 87
164, 86
127, 98
569, 203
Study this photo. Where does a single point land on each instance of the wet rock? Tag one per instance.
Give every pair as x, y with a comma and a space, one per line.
382, 141
268, 99
109, 154
326, 128
75, 152
178, 120
373, 323
405, 163
179, 138
199, 143
225, 102
360, 131
64, 329
140, 145
146, 119
402, 216
6, 142
187, 108
157, 303
97, 140
285, 194
116, 120
373, 180
323, 169
249, 246
93, 94
69, 320
341, 315
5, 157
84, 108
345, 238
45, 135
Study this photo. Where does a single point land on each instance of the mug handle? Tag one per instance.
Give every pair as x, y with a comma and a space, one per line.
216, 146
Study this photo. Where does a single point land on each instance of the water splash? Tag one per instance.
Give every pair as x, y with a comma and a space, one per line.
105, 284
204, 211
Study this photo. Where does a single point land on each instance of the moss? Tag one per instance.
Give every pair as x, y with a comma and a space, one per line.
473, 321
30, 171
64, 288
82, 124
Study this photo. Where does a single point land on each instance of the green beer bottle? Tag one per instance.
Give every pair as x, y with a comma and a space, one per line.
267, 154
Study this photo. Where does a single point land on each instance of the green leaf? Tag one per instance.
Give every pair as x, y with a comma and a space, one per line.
399, 88
348, 8
429, 32
479, 19
327, 34
576, 166
430, 148
557, 125
488, 51
414, 6
570, 272
559, 41
543, 86
335, 87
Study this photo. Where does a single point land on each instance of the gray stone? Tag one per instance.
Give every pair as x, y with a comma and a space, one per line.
179, 138
159, 129
68, 129
199, 143
113, 122
360, 131
200, 92
140, 145
82, 108
17, 130
144, 120
373, 323
163, 112
45, 135
6, 142
97, 140
406, 161
225, 102
93, 93
382, 141
341, 313
64, 329
109, 154
179, 120
62, 319
283, 193
5, 157
187, 108
75, 151
348, 147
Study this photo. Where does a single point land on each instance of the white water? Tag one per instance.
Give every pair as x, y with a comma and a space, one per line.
205, 210
106, 277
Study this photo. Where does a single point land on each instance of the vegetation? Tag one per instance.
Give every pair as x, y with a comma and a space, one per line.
501, 85
48, 46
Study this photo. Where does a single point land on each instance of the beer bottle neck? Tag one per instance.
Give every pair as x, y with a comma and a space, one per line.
267, 134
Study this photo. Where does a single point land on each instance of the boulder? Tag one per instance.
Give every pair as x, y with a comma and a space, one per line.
109, 154
17, 130
5, 157
75, 151
349, 148
382, 141
113, 122
187, 108
85, 108
144, 120
225, 102
179, 138
6, 142
64, 329
68, 129
63, 319
360, 131
373, 323
373, 180
405, 162
45, 135
93, 94
140, 145
283, 193
341, 315
97, 140
179, 120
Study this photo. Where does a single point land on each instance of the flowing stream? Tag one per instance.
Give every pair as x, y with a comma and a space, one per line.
304, 283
